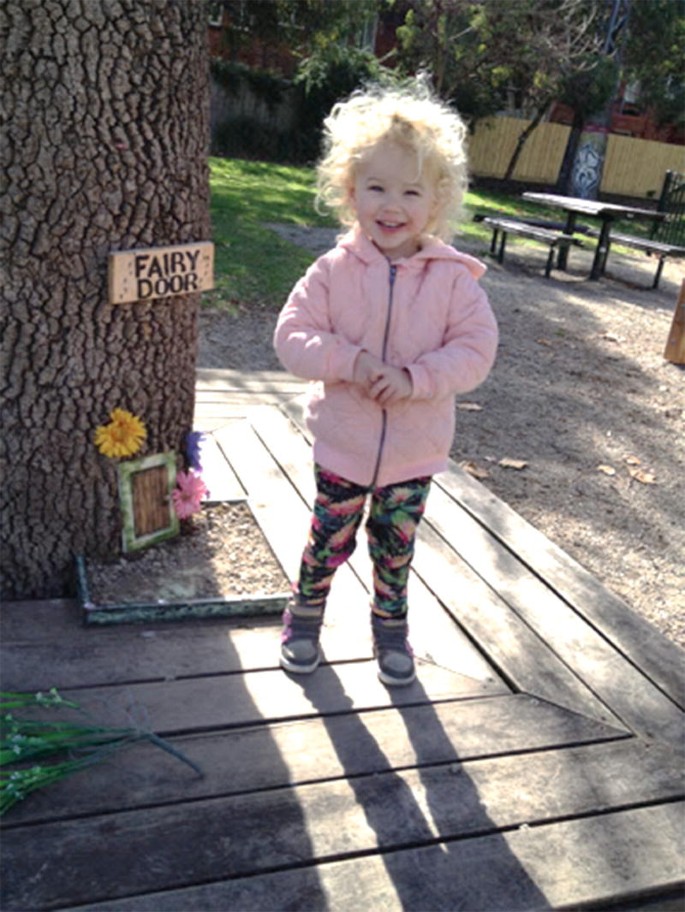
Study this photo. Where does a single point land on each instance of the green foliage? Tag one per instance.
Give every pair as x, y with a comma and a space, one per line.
248, 137
299, 25
481, 53
268, 87
327, 37
245, 135
37, 752
587, 90
443, 37
328, 75
248, 21
653, 55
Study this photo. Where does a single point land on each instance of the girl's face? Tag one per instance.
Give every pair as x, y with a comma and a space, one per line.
393, 202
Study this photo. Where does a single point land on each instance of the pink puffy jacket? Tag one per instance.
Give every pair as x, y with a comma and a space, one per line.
427, 314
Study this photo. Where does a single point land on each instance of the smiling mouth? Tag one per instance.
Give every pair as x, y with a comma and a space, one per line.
391, 225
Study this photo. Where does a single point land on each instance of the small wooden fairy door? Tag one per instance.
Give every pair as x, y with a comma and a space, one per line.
148, 514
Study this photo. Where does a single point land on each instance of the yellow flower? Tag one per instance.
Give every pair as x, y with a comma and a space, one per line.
123, 436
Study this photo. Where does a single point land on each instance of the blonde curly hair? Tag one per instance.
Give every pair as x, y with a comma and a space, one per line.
415, 120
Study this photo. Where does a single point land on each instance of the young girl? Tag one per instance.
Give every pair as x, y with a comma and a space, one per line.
392, 323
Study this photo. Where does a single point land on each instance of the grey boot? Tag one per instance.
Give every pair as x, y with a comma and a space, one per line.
392, 650
300, 651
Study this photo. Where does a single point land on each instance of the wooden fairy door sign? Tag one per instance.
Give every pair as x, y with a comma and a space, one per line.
160, 272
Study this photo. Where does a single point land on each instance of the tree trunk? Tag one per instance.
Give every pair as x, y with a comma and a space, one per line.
521, 142
105, 149
563, 185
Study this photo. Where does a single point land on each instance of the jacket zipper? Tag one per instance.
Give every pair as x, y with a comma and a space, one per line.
384, 412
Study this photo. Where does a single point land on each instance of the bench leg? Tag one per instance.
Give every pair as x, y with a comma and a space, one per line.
550, 260
500, 252
493, 242
570, 227
659, 268
601, 252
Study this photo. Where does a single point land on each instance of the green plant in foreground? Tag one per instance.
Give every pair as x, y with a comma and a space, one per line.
61, 747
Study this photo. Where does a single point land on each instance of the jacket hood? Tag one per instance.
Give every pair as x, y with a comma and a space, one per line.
432, 249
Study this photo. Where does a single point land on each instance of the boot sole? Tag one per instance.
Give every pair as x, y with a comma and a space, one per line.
395, 682
299, 669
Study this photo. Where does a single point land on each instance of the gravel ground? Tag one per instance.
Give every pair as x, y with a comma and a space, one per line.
581, 406
212, 558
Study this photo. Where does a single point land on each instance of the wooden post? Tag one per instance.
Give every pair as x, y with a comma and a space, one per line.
675, 346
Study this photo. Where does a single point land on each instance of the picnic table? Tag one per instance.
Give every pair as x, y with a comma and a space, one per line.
607, 213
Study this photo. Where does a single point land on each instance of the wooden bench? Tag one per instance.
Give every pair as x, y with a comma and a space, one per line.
651, 247
554, 239
667, 238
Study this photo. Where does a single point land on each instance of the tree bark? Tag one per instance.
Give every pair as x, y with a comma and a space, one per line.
563, 184
105, 149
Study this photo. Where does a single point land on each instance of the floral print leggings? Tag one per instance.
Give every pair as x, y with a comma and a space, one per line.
394, 515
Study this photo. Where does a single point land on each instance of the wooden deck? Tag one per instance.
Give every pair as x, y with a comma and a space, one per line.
533, 765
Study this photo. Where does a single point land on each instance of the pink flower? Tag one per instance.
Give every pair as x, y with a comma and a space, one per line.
188, 494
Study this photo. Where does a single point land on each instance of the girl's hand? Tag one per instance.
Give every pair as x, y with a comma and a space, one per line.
382, 382
393, 385
367, 370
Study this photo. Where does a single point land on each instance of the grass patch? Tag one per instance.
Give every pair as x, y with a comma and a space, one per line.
253, 264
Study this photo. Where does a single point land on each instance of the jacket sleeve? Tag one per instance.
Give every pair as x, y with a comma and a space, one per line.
468, 352
304, 339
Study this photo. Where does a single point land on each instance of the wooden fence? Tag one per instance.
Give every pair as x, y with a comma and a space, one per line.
632, 167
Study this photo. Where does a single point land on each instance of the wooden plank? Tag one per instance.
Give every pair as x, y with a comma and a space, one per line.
271, 497
517, 653
46, 645
211, 378
315, 749
149, 848
258, 605
434, 636
621, 686
233, 404
284, 516
218, 475
211, 423
252, 392
220, 701
640, 642
576, 863
28, 621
